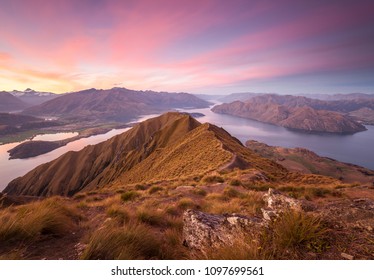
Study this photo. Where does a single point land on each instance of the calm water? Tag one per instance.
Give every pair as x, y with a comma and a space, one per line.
11, 169
357, 148
55, 136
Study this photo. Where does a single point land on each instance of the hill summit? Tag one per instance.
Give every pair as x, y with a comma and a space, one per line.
167, 147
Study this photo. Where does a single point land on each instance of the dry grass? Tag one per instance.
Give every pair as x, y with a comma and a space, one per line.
293, 235
213, 179
130, 242
129, 196
48, 217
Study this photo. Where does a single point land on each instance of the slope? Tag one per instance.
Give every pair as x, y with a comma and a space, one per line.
171, 146
10, 103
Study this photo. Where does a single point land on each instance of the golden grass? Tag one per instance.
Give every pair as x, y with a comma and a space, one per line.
130, 242
49, 217
129, 196
294, 234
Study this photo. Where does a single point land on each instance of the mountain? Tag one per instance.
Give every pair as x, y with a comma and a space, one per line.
307, 162
116, 104
13, 123
301, 118
240, 96
340, 96
294, 112
365, 115
171, 146
33, 97
10, 103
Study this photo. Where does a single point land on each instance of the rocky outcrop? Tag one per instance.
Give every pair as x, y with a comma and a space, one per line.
203, 232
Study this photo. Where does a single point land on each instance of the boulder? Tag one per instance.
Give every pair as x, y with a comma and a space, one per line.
277, 203
203, 231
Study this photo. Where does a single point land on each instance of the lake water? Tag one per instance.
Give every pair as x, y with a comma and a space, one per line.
357, 148
11, 169
55, 136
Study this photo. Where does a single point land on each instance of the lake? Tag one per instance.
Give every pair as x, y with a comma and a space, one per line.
356, 148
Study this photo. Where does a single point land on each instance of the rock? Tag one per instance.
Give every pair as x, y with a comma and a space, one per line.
277, 203
203, 231
346, 256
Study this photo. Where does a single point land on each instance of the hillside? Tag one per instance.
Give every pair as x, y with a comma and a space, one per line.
15, 123
171, 146
289, 112
307, 162
173, 188
10, 103
116, 104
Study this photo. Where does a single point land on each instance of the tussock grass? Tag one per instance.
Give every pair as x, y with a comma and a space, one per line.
48, 217
199, 191
172, 245
152, 218
229, 192
293, 234
119, 213
186, 203
235, 182
129, 195
155, 189
213, 179
130, 242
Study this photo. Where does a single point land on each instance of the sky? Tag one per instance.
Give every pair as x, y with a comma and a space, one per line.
196, 46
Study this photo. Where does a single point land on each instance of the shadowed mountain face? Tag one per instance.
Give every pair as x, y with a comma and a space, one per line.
117, 104
10, 103
295, 112
168, 147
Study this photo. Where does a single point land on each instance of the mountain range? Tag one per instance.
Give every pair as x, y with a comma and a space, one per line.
116, 104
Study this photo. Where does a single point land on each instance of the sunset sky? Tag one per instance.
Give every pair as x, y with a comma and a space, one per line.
193, 46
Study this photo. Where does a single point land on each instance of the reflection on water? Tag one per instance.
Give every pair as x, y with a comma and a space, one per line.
356, 148
55, 136
11, 169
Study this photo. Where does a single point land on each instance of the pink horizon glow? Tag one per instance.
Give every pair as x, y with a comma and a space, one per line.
195, 46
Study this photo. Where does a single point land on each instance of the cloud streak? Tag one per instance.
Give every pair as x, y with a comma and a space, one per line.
198, 46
